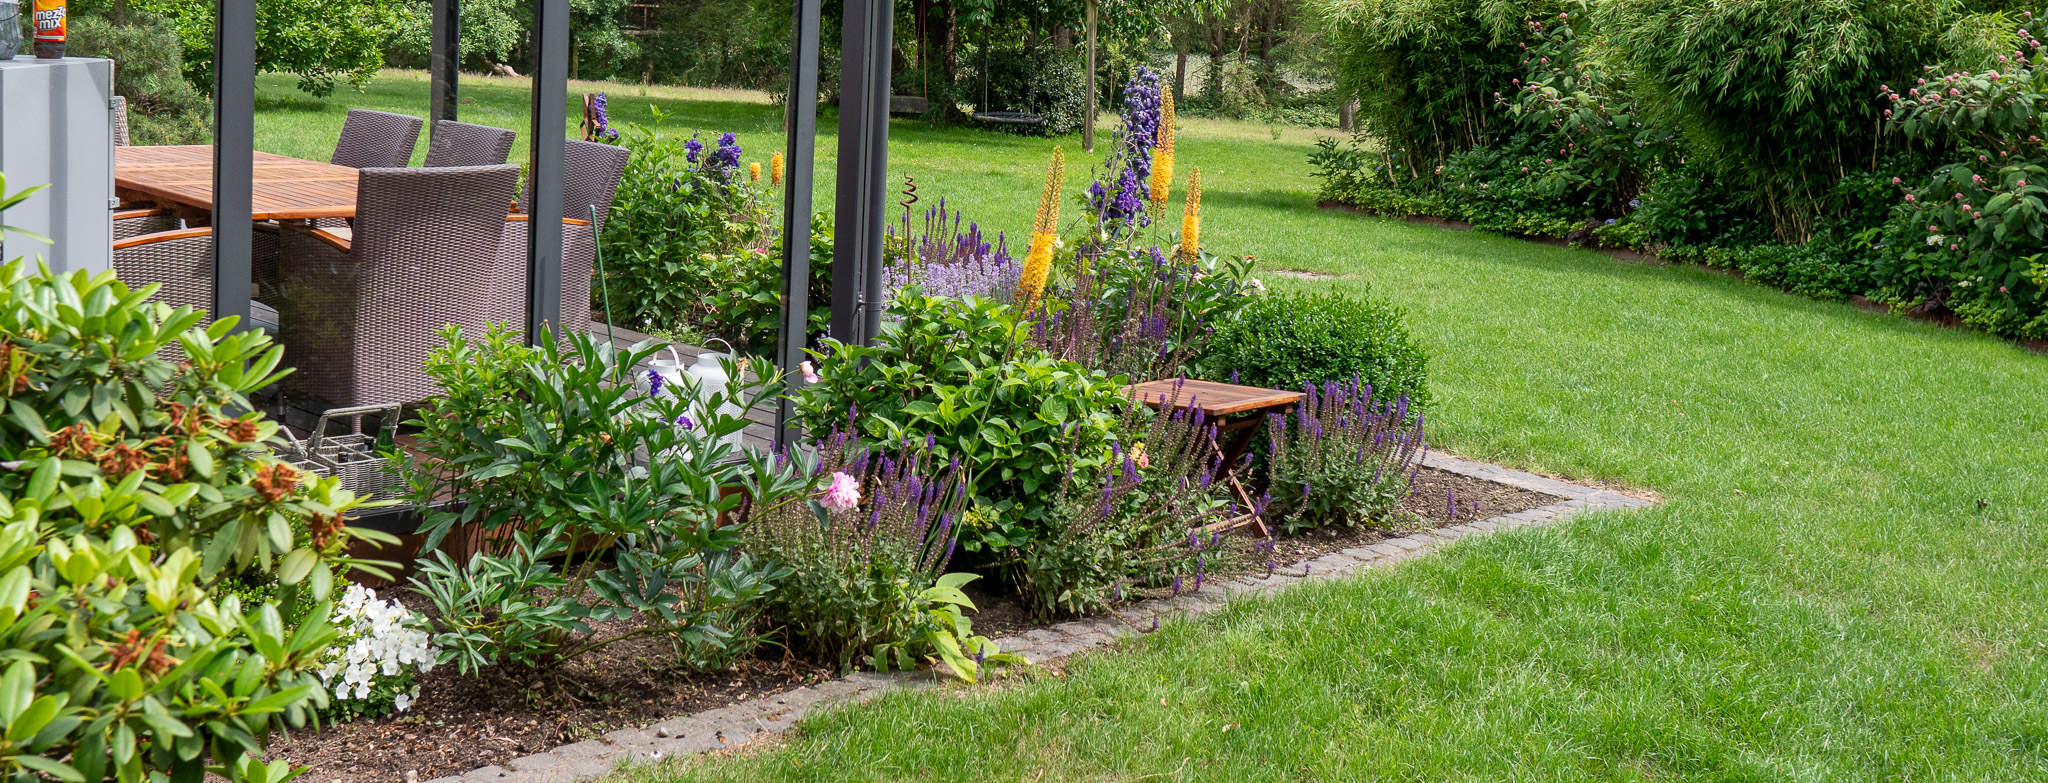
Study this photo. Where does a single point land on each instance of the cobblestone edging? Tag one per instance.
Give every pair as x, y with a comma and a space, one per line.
740, 723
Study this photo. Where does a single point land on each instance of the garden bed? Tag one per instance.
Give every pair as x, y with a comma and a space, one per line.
463, 723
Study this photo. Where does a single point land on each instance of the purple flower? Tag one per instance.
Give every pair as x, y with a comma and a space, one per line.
603, 118
653, 383
684, 421
692, 149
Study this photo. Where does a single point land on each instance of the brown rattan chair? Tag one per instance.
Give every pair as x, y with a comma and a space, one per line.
462, 144
180, 260
373, 139
130, 223
121, 121
361, 308
591, 178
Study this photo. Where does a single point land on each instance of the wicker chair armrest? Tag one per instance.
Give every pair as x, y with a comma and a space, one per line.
520, 217
162, 236
335, 237
141, 212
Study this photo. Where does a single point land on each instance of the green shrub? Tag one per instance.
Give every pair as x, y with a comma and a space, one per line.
1972, 236
132, 489
555, 447
956, 373
1045, 81
1426, 71
1128, 534
163, 108
1775, 96
688, 246
1286, 341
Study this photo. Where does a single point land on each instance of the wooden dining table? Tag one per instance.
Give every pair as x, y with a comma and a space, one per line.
180, 178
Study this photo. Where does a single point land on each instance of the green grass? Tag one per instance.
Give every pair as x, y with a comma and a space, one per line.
1848, 580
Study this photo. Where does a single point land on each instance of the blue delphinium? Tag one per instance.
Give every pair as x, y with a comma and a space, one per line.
604, 128
1123, 202
692, 149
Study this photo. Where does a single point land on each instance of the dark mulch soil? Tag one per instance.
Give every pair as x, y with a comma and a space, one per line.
462, 723
1428, 505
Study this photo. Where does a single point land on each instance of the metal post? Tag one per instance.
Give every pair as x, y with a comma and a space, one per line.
1088, 117
445, 60
863, 168
234, 155
801, 125
544, 227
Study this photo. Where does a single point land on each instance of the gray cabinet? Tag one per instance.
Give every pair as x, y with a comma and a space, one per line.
57, 128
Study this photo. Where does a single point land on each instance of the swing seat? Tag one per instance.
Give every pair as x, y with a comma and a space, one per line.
1009, 117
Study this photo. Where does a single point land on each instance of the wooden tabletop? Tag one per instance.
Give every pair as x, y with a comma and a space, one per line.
285, 188
1214, 399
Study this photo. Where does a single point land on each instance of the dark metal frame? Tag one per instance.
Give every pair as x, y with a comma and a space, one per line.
861, 199
544, 162
863, 169
801, 127
445, 45
234, 155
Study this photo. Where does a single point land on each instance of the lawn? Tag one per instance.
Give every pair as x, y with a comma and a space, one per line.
1848, 579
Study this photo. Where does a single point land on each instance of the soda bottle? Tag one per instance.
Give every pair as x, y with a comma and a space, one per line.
49, 16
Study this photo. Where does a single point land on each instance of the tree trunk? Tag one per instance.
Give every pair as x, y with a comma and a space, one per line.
1088, 121
1180, 71
949, 45
1347, 115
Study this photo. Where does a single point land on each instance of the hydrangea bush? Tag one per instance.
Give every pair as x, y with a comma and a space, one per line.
380, 646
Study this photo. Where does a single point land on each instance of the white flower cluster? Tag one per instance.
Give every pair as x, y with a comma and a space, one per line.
379, 639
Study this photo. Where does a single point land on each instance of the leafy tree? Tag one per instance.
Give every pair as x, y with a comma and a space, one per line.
1775, 95
322, 41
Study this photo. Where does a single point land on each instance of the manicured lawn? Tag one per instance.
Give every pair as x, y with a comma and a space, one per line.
1848, 581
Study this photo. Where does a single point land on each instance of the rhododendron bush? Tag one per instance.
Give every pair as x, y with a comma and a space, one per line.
131, 489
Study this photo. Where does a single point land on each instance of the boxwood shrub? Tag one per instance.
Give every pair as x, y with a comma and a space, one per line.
1286, 340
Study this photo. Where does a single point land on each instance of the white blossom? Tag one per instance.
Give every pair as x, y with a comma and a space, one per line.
378, 640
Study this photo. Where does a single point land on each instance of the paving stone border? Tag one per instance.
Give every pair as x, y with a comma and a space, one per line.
738, 724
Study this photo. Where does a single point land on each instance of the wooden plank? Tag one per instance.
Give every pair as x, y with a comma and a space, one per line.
286, 188
1214, 399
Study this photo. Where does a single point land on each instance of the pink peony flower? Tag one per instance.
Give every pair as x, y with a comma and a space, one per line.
843, 494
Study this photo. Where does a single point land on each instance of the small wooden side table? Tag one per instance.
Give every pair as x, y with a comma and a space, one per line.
1237, 412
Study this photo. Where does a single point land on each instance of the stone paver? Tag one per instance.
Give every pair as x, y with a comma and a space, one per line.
738, 724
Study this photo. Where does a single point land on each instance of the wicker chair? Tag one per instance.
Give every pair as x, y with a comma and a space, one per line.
591, 173
130, 223
180, 260
373, 139
462, 144
121, 121
361, 309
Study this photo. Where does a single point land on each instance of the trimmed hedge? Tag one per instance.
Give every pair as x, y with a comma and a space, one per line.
1284, 341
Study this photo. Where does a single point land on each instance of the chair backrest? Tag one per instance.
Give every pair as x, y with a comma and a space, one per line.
425, 245
120, 121
590, 175
181, 261
376, 139
462, 144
